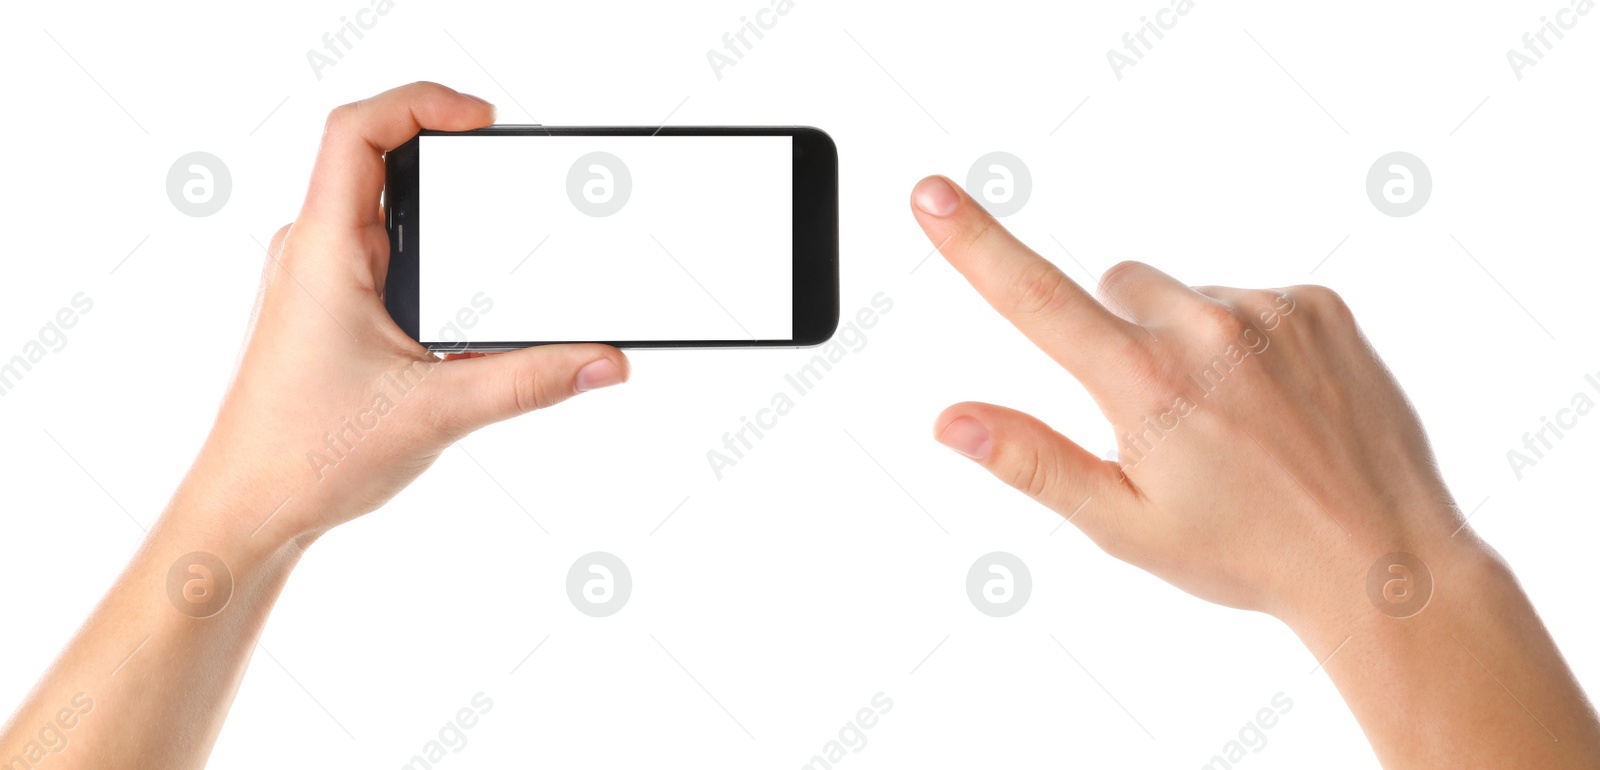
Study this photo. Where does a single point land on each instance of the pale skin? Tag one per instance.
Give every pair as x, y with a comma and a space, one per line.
1294, 467
319, 352
1275, 492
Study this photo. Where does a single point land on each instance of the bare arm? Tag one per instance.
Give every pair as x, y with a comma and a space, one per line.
334, 410
1268, 461
143, 684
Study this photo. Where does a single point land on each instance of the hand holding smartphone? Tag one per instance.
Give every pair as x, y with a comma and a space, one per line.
511, 236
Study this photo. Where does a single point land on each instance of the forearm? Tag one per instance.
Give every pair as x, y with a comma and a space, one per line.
1473, 680
296, 450
147, 681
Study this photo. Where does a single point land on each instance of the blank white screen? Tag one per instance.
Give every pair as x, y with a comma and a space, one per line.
701, 249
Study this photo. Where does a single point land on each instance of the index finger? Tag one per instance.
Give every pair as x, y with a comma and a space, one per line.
1054, 312
348, 178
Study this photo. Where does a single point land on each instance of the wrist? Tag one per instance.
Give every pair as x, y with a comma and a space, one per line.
1426, 687
248, 490
1393, 595
249, 522
201, 559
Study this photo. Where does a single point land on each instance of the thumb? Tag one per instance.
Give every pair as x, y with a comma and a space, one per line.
485, 390
1027, 454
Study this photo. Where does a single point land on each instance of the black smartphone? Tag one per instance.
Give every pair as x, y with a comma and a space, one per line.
511, 236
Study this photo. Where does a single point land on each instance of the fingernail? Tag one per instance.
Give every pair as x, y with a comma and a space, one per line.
935, 196
598, 374
969, 437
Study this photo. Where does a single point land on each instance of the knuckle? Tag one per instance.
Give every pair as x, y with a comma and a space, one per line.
1324, 303
973, 239
1217, 324
1031, 473
1042, 289
532, 390
527, 391
1313, 295
1116, 274
338, 119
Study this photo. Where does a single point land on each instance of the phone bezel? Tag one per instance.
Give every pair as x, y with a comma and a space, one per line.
815, 232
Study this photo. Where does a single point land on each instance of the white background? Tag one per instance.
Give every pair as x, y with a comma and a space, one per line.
809, 579
682, 259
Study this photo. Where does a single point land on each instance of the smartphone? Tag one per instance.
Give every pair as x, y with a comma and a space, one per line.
511, 236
